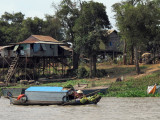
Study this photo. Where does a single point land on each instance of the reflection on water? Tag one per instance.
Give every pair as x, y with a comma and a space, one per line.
106, 109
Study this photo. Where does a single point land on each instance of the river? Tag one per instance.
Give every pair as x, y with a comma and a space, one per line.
109, 108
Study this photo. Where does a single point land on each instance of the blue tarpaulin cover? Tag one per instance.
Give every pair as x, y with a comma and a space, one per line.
46, 89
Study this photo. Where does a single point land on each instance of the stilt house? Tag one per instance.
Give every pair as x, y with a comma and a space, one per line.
112, 46
36, 53
37, 46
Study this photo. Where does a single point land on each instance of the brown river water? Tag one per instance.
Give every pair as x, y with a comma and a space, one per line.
109, 108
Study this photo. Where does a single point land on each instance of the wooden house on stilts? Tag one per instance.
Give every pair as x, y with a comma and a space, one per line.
112, 46
35, 56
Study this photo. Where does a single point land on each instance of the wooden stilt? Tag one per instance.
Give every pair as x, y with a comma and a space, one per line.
3, 70
25, 67
34, 63
39, 67
49, 66
43, 65
62, 67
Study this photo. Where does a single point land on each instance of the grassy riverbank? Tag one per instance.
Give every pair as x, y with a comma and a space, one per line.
132, 86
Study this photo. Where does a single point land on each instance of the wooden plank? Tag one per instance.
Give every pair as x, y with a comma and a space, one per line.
80, 86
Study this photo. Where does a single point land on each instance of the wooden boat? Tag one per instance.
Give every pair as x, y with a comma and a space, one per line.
49, 96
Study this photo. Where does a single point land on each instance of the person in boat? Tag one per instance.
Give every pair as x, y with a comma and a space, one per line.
78, 94
80, 97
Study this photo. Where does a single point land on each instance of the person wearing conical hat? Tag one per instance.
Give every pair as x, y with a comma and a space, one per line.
79, 94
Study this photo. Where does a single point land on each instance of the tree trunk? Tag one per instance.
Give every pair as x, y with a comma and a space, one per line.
132, 55
136, 60
94, 65
154, 55
125, 54
93, 70
91, 67
75, 60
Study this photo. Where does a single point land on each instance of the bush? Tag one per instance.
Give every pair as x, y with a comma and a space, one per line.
71, 72
134, 87
82, 73
101, 73
68, 86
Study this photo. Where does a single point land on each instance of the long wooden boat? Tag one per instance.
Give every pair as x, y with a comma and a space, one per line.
50, 96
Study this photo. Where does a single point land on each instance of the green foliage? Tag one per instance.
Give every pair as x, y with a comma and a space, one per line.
82, 73
10, 27
69, 82
83, 100
88, 27
68, 86
88, 31
71, 72
134, 87
14, 28
101, 73
67, 14
53, 27
138, 23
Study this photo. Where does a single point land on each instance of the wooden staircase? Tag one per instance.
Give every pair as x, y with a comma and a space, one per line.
12, 69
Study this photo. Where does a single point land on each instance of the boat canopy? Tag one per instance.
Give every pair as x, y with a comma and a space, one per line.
46, 89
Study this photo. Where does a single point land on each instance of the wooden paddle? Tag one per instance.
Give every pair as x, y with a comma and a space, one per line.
92, 93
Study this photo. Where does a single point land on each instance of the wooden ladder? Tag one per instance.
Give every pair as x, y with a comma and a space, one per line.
12, 69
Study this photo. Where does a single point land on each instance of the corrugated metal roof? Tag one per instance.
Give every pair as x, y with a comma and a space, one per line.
38, 38
59, 43
2, 47
46, 89
45, 38
146, 54
66, 48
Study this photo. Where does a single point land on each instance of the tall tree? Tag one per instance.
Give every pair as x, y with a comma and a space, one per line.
10, 25
154, 41
52, 27
135, 21
88, 31
14, 28
67, 13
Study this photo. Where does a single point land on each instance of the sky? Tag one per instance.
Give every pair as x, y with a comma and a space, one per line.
38, 8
